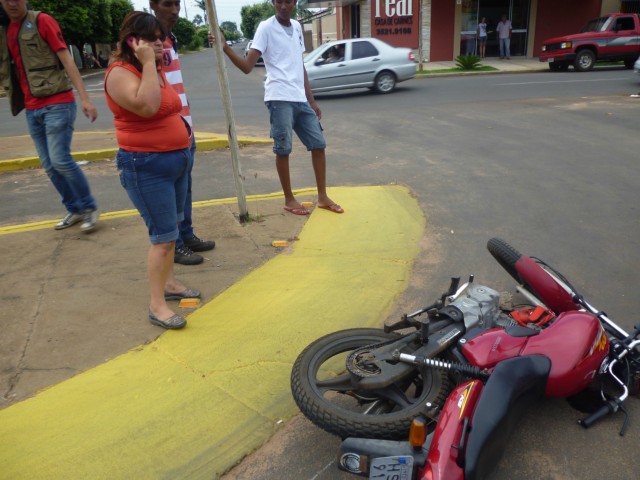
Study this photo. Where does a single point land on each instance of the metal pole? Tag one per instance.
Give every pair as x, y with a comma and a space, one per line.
223, 80
420, 66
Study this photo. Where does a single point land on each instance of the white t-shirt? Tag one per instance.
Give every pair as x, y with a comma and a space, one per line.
282, 54
482, 30
504, 28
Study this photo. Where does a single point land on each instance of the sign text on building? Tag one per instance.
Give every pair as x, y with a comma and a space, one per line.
396, 22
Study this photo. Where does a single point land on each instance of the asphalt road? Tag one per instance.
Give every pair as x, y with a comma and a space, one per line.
546, 161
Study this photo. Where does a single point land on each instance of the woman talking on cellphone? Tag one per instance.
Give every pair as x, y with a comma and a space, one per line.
153, 156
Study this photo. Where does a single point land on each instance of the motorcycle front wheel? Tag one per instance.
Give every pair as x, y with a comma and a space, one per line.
324, 391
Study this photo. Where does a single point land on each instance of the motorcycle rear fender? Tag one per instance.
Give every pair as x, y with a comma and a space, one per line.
364, 450
514, 385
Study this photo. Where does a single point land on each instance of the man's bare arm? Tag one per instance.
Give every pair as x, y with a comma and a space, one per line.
88, 108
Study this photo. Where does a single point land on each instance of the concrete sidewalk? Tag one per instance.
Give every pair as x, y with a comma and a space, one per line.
124, 399
514, 65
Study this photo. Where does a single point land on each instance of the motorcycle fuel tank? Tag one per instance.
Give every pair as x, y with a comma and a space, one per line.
575, 343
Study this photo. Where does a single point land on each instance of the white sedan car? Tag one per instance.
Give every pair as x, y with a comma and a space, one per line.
358, 63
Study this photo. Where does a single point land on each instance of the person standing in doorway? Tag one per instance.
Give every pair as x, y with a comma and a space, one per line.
481, 32
288, 97
167, 13
38, 72
504, 37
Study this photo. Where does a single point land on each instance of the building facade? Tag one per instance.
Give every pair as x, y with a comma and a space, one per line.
440, 30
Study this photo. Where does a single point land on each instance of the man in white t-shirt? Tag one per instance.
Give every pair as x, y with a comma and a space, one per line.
288, 97
504, 37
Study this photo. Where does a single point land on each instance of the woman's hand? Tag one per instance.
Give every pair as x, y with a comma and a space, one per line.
143, 50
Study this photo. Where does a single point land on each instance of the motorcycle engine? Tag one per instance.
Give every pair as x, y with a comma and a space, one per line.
479, 304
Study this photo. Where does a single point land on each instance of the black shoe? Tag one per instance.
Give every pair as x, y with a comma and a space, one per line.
196, 245
185, 256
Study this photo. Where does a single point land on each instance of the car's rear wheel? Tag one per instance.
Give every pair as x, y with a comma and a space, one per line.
385, 82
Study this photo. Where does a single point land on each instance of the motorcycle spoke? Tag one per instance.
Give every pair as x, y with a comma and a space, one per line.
395, 395
341, 383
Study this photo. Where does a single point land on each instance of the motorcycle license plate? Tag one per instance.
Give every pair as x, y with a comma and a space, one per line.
391, 468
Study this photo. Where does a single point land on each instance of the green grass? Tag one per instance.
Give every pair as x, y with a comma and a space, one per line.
484, 68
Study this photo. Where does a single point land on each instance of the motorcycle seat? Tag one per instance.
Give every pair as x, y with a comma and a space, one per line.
511, 389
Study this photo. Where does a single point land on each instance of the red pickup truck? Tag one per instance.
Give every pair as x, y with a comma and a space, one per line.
614, 37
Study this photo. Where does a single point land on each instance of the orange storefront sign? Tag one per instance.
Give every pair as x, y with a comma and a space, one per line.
396, 22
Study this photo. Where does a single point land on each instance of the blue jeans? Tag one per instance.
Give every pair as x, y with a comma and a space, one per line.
51, 129
505, 47
156, 183
298, 116
186, 226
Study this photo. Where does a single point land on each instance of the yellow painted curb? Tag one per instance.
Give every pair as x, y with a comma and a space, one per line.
27, 227
206, 142
194, 402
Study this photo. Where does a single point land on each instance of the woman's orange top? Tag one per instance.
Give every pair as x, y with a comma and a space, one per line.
164, 132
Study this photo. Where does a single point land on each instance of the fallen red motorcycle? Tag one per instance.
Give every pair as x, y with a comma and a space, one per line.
472, 363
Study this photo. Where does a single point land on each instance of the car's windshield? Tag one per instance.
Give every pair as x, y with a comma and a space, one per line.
597, 25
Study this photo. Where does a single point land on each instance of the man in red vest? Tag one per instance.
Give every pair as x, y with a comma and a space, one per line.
167, 12
38, 71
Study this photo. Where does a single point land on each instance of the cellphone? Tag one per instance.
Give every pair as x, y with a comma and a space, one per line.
130, 40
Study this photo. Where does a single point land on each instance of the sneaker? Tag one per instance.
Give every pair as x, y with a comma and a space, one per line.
185, 256
69, 220
90, 218
197, 245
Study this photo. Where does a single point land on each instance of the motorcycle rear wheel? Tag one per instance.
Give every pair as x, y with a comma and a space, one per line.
322, 389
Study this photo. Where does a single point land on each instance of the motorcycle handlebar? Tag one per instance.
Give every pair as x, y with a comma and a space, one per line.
599, 414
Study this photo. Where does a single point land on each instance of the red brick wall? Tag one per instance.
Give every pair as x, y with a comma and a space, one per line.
442, 28
562, 17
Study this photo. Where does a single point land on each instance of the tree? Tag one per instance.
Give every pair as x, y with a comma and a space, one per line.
229, 26
197, 20
89, 21
202, 5
184, 32
101, 26
74, 18
119, 10
252, 15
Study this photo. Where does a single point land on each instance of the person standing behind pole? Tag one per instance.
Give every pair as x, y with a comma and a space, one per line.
288, 97
167, 13
504, 37
38, 71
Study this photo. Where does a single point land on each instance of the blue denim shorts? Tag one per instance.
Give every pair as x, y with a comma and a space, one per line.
294, 116
156, 183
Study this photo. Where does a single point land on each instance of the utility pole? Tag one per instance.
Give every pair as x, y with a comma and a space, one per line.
223, 80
